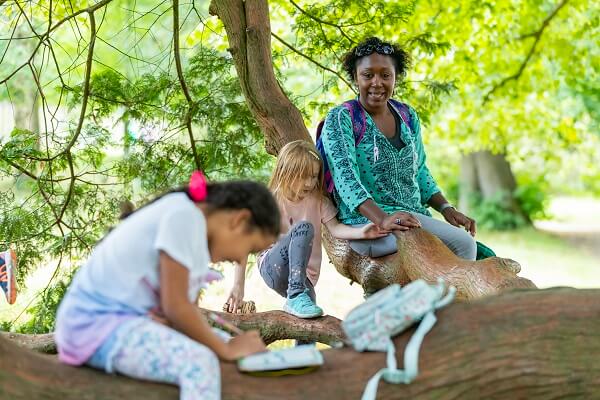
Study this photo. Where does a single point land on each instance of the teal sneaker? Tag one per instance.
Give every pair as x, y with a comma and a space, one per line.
302, 306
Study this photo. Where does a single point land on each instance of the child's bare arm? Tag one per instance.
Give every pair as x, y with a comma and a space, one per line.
236, 296
186, 317
341, 231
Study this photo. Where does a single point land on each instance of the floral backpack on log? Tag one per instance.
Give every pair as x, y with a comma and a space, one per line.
372, 324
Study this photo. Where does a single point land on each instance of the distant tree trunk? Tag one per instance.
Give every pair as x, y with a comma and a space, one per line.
25, 96
249, 34
490, 177
534, 345
26, 108
468, 183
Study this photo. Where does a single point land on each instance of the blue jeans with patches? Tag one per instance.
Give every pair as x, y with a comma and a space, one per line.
283, 267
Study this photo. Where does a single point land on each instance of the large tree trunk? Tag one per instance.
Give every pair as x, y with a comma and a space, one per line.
489, 177
249, 35
520, 345
422, 255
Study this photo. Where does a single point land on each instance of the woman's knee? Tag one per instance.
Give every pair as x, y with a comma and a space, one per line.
465, 245
303, 228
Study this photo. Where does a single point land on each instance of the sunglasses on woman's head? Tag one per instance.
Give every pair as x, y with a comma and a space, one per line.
381, 48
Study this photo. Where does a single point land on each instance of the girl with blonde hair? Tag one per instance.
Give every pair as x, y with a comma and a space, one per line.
291, 266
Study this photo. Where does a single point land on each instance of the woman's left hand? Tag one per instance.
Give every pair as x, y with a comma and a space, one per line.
235, 299
372, 231
456, 218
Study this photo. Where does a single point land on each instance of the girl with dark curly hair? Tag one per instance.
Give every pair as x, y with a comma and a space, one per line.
133, 307
375, 154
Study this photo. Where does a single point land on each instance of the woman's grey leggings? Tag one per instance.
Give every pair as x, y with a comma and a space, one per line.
457, 239
283, 267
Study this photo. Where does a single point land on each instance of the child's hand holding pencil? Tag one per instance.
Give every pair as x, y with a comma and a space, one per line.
241, 345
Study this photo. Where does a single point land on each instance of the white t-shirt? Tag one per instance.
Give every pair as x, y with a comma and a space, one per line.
121, 278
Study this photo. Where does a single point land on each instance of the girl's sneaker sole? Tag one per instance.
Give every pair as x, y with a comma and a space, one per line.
10, 259
305, 316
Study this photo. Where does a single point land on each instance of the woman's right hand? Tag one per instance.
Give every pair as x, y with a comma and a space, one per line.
243, 345
399, 221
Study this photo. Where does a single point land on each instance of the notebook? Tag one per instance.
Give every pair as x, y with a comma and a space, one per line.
292, 361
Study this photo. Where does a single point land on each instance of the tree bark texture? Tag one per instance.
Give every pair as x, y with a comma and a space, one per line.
249, 35
527, 344
422, 255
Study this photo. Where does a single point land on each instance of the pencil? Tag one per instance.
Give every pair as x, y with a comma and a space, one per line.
225, 324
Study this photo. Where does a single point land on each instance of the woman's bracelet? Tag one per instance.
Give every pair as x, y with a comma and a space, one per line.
444, 206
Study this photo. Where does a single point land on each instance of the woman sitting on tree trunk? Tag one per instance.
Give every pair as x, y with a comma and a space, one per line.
375, 155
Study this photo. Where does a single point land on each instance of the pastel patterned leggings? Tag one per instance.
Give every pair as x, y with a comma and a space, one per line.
154, 352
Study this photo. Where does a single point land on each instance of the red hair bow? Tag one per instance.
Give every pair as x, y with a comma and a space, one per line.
197, 187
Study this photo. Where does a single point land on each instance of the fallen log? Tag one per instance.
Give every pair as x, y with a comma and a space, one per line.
529, 344
272, 325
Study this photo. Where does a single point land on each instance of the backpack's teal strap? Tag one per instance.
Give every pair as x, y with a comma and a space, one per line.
391, 373
447, 299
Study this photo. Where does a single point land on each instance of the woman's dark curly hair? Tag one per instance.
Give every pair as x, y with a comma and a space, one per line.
402, 59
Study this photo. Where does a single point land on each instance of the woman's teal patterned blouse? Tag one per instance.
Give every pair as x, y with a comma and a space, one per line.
397, 180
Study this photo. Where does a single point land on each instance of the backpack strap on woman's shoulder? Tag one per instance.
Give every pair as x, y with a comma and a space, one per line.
404, 110
359, 119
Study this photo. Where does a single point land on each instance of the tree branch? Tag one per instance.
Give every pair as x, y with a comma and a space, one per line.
313, 60
321, 21
537, 35
191, 106
86, 87
44, 37
87, 77
272, 325
12, 37
249, 35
